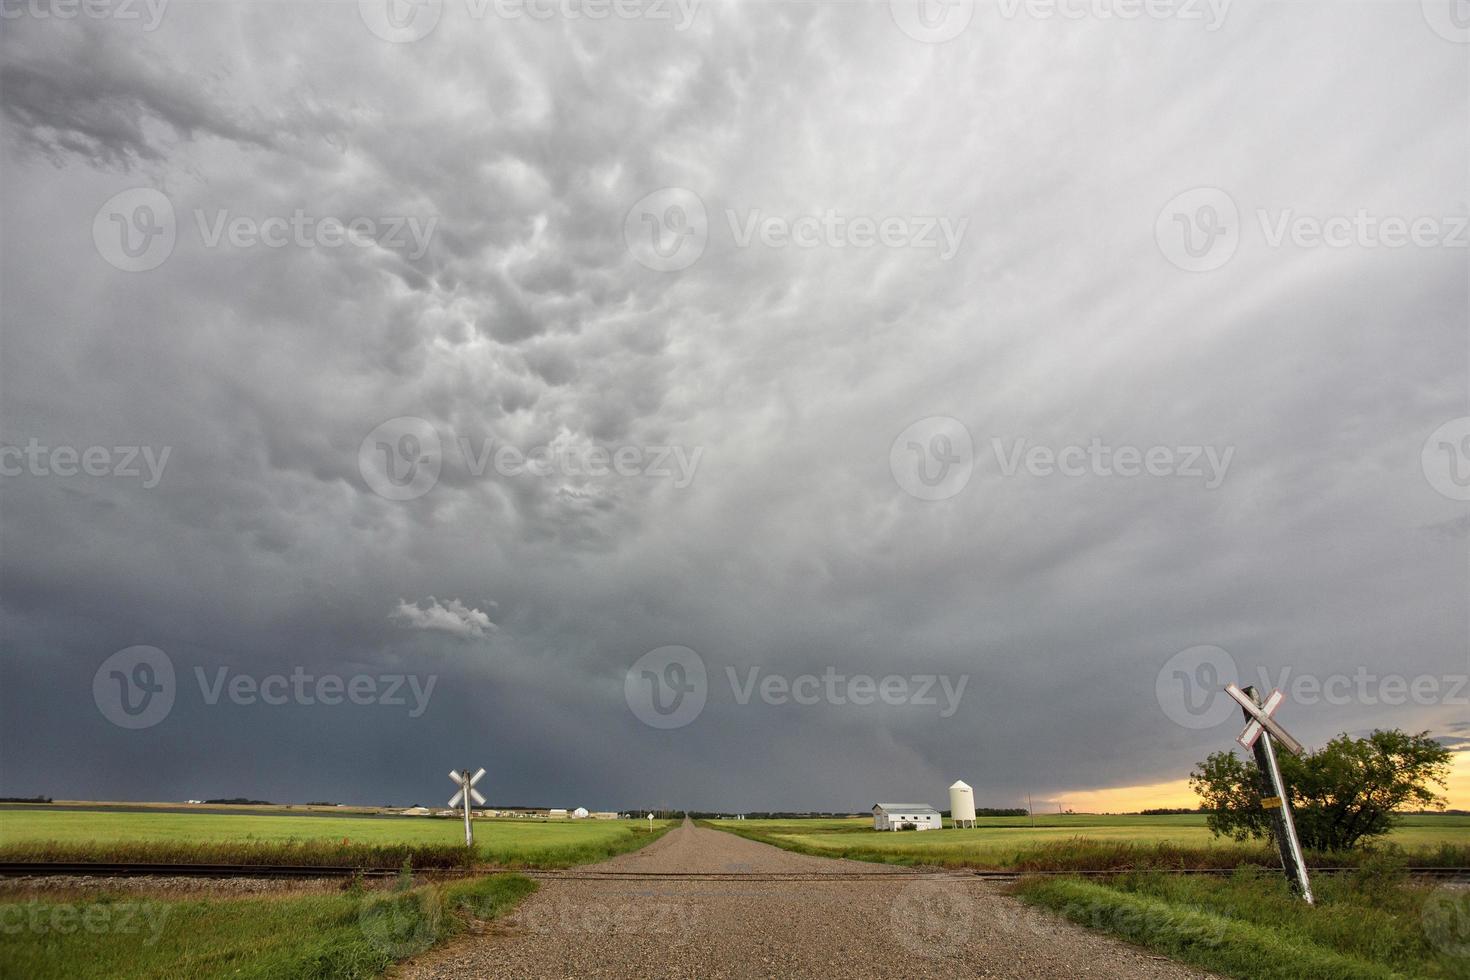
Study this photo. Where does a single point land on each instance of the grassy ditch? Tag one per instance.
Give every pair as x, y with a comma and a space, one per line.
356, 933
1373, 923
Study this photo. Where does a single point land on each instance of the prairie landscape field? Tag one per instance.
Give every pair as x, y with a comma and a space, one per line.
1076, 841
347, 930
103, 835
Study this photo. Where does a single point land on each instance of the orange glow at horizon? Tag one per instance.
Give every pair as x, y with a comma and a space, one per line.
1176, 793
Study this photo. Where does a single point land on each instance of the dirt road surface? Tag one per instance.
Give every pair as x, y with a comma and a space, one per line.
893, 923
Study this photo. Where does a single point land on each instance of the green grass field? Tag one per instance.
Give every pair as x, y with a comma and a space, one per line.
1007, 842
36, 834
337, 936
355, 933
1369, 925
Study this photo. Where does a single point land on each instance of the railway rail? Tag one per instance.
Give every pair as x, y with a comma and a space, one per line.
47, 869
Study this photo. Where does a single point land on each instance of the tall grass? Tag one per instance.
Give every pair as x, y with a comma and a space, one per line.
1370, 924
350, 935
515, 857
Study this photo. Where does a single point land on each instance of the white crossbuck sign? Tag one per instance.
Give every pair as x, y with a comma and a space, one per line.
1261, 720
466, 782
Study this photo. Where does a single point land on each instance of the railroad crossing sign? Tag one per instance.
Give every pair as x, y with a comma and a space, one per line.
1261, 733
467, 792
1259, 719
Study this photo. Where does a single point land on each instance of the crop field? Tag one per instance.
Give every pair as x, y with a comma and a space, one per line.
1107, 840
34, 834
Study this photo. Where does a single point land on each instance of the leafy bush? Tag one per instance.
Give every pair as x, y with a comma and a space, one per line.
1348, 792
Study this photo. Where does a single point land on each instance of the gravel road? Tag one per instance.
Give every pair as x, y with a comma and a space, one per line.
900, 924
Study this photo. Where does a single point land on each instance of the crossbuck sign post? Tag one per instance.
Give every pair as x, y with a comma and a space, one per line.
467, 791
1261, 734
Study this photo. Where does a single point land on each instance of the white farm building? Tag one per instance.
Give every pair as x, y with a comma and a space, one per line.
900, 816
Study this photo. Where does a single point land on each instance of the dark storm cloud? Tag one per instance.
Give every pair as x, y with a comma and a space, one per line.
792, 550
77, 92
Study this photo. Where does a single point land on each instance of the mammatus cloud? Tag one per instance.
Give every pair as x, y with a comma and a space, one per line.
888, 289
452, 617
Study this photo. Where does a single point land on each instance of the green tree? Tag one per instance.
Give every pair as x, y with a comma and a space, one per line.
1346, 792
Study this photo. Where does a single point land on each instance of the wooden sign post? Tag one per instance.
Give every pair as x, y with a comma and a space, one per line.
1260, 730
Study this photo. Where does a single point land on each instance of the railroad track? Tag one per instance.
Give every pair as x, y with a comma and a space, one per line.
40, 869
29, 869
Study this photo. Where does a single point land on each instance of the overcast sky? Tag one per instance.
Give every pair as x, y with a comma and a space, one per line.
872, 312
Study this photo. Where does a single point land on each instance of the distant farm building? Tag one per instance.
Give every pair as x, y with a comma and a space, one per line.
557, 813
580, 813
905, 816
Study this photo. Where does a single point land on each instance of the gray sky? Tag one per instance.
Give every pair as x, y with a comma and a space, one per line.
1091, 235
